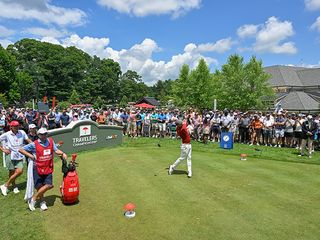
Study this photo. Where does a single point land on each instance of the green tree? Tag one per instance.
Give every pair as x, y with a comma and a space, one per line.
161, 90
132, 87
194, 89
242, 86
7, 70
74, 98
181, 89
21, 88
3, 100
123, 102
201, 81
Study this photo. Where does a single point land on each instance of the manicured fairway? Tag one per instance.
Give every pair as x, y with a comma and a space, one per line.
273, 195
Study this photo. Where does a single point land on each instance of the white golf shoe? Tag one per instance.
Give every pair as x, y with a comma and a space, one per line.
170, 170
43, 206
16, 190
189, 174
4, 190
32, 204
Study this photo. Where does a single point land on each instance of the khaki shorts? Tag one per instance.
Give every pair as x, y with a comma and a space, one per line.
13, 164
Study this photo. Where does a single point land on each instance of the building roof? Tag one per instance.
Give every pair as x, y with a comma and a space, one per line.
288, 76
149, 100
298, 100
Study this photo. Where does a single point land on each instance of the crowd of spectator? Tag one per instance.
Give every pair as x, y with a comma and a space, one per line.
277, 129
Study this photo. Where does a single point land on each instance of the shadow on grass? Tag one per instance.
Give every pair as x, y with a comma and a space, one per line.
22, 185
179, 172
51, 199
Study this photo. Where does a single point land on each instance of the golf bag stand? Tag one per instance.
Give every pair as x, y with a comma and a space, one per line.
70, 185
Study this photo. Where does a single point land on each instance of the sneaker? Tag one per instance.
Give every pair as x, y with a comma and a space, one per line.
300, 155
4, 190
16, 190
279, 146
310, 156
31, 204
258, 144
43, 206
251, 144
189, 174
170, 170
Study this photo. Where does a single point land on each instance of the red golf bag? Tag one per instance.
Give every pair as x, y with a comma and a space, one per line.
70, 185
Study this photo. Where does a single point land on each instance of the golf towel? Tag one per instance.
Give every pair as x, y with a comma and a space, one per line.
30, 183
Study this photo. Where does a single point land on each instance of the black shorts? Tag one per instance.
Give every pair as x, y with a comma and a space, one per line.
41, 180
288, 134
298, 135
215, 129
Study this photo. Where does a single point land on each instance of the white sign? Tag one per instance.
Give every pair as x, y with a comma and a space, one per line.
85, 130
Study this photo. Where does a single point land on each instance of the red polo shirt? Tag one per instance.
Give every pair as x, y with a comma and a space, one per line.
182, 131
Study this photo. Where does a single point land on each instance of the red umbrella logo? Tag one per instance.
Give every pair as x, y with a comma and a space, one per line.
85, 129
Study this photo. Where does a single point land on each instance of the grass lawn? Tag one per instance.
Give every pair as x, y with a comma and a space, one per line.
273, 195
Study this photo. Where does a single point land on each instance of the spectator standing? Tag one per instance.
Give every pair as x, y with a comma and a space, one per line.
101, 118
64, 118
309, 128
279, 129
2, 122
256, 125
57, 118
298, 130
268, 129
14, 139
288, 131
51, 117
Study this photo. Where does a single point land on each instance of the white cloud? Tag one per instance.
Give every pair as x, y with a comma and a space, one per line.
270, 37
5, 32
248, 30
220, 46
42, 11
139, 56
93, 46
316, 24
143, 8
50, 40
5, 43
45, 32
312, 5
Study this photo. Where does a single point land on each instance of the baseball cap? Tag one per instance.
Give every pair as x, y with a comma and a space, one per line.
14, 123
42, 131
309, 117
32, 126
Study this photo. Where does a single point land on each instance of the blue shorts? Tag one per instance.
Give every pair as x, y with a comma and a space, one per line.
41, 180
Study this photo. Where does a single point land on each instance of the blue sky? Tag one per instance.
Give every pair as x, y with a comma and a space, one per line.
155, 38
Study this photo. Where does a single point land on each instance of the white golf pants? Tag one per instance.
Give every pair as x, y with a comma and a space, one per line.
186, 150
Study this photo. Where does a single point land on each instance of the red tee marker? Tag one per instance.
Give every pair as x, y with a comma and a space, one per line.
129, 207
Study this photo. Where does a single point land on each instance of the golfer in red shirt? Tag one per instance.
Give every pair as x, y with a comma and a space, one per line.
186, 148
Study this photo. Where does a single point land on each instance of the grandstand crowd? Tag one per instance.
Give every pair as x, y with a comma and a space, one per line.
275, 129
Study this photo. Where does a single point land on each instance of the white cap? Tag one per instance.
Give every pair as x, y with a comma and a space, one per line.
208, 115
42, 131
32, 126
309, 117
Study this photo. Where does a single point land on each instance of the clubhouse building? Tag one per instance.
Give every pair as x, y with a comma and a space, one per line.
297, 88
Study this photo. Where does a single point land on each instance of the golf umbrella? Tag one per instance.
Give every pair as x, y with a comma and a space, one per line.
144, 105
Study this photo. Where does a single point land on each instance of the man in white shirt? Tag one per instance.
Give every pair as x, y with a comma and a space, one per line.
268, 127
14, 140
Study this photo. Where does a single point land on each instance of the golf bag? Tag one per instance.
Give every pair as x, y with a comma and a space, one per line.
70, 185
